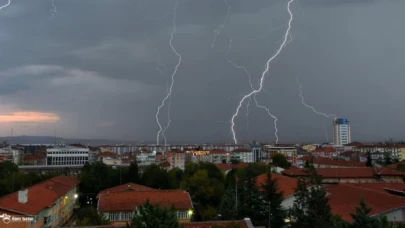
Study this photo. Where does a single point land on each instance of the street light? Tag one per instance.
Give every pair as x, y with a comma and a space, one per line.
76, 195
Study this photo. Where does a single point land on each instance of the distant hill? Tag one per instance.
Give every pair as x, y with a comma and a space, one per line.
50, 140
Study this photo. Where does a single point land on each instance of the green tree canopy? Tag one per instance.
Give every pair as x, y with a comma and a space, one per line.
273, 198
361, 217
227, 208
155, 177
148, 216
88, 216
175, 177
280, 160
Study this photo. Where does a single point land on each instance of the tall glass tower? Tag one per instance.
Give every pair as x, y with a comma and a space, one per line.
341, 131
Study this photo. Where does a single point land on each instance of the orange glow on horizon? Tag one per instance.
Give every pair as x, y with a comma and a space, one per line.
29, 117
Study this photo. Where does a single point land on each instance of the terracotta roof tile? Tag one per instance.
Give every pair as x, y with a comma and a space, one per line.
333, 172
328, 161
287, 185
387, 172
127, 187
343, 199
324, 150
394, 166
382, 187
107, 154
209, 224
128, 201
40, 195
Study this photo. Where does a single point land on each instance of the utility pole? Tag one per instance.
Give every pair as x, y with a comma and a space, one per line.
269, 214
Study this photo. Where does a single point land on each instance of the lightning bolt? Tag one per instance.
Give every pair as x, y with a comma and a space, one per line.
311, 107
169, 94
5, 5
53, 10
250, 97
217, 31
254, 92
326, 133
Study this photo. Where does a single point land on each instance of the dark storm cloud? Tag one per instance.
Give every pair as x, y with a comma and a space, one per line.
92, 65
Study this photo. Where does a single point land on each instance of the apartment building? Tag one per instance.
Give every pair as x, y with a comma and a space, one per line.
62, 155
324, 152
395, 151
109, 158
243, 155
47, 204
289, 151
146, 158
177, 159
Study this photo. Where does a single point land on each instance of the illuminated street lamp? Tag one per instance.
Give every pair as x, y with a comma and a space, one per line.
76, 195
190, 212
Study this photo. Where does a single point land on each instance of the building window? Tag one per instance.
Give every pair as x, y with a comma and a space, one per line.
182, 215
114, 216
126, 216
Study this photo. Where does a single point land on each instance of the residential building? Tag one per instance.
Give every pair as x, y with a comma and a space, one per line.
49, 203
394, 151
34, 159
286, 185
109, 158
214, 156
146, 158
341, 131
289, 151
177, 159
62, 155
324, 152
120, 206
344, 198
128, 187
244, 155
332, 163
350, 175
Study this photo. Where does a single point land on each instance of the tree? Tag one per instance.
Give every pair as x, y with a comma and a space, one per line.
175, 177
132, 174
251, 203
338, 222
361, 218
149, 215
155, 177
280, 160
369, 160
387, 159
227, 208
88, 216
273, 198
7, 168
311, 207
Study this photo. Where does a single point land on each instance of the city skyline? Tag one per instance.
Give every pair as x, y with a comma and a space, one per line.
103, 72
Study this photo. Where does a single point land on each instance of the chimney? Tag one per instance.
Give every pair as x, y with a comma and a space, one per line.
248, 222
23, 196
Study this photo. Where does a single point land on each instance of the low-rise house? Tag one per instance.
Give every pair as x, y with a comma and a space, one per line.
120, 206
49, 203
332, 163
128, 187
344, 198
350, 175
109, 158
34, 159
324, 152
286, 185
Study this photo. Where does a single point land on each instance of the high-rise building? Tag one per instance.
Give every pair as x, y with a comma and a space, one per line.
341, 131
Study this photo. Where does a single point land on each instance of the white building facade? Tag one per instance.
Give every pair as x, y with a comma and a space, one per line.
341, 131
66, 155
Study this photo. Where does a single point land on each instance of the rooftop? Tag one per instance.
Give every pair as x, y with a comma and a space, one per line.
209, 224
40, 195
129, 200
128, 187
286, 185
343, 199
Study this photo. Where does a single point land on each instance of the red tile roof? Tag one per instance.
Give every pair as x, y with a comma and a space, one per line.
40, 195
107, 154
127, 187
394, 166
128, 201
333, 172
332, 162
241, 150
287, 185
382, 187
382, 171
33, 157
209, 224
343, 199
324, 150
164, 164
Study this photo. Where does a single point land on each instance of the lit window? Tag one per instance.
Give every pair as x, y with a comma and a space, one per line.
114, 216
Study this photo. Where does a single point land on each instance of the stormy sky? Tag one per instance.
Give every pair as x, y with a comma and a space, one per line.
100, 68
